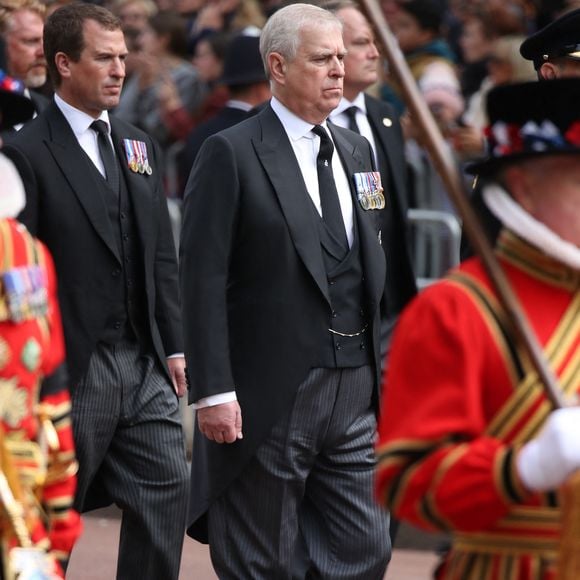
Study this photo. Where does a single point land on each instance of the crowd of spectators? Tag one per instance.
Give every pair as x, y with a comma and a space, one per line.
457, 50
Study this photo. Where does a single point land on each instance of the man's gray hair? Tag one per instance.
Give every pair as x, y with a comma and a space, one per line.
281, 33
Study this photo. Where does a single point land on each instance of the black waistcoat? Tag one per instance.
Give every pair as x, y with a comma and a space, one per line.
128, 317
344, 272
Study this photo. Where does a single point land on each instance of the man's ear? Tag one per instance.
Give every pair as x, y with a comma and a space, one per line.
62, 62
549, 71
277, 67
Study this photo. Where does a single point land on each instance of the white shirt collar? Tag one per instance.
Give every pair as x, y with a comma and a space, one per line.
78, 120
359, 102
295, 127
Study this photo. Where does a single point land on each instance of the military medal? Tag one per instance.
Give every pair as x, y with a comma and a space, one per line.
129, 146
379, 190
369, 190
144, 166
25, 292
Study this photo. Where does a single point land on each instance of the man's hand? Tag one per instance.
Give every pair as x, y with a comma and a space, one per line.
221, 423
177, 371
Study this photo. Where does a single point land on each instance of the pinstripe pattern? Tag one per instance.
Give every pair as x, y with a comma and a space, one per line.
130, 446
310, 483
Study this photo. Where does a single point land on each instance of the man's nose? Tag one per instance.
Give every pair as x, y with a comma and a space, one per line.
337, 69
118, 68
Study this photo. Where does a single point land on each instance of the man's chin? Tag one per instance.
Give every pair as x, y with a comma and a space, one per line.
35, 81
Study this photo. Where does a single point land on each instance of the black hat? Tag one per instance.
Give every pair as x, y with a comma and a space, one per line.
531, 120
243, 63
14, 106
559, 38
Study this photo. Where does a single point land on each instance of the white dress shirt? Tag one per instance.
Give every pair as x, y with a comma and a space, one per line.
80, 123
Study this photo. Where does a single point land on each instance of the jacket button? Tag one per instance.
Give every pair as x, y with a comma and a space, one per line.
338, 346
115, 273
117, 325
334, 314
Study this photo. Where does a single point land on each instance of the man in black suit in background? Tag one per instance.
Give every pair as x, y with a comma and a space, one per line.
377, 121
21, 27
94, 197
283, 271
248, 87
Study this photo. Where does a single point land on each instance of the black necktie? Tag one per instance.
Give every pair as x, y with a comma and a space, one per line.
331, 212
351, 114
107, 154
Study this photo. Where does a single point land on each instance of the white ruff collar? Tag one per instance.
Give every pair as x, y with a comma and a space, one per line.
12, 197
519, 221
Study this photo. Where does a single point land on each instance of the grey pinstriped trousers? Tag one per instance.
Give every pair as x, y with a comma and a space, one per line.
130, 447
303, 507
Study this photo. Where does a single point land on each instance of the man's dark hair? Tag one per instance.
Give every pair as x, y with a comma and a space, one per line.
64, 32
428, 13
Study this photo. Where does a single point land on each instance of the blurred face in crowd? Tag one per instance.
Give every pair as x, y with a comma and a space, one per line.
24, 52
311, 83
361, 62
548, 188
500, 70
409, 34
133, 15
207, 63
93, 84
151, 42
475, 44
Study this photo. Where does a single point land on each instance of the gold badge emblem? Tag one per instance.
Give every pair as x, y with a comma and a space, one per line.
5, 353
12, 403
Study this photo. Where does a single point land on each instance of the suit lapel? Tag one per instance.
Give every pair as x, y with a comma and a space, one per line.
72, 161
278, 159
137, 186
372, 254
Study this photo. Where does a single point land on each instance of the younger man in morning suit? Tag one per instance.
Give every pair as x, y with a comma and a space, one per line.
283, 272
94, 197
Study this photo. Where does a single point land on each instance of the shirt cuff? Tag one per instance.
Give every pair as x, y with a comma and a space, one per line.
176, 355
213, 400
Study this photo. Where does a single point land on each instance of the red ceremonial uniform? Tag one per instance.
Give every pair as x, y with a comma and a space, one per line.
34, 400
459, 401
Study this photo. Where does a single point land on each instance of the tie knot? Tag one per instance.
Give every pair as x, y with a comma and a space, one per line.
320, 131
351, 112
100, 127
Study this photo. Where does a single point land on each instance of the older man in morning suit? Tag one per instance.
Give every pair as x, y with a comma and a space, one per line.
282, 274
94, 197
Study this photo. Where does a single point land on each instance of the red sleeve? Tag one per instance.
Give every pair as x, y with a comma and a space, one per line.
64, 525
444, 382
